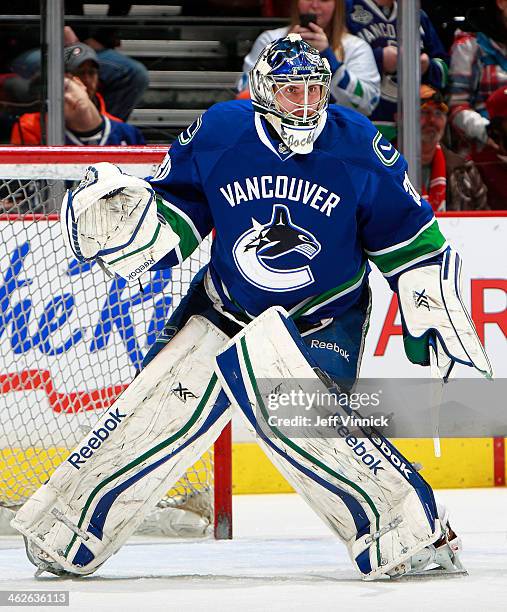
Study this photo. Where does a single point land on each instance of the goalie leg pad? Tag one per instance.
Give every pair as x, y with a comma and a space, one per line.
384, 515
168, 417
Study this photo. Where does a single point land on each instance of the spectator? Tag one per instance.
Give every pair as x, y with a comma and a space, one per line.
356, 80
478, 68
449, 182
123, 80
491, 160
81, 60
446, 15
15, 94
84, 124
376, 22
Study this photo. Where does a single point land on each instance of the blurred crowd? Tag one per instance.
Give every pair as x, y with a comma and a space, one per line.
463, 93
101, 85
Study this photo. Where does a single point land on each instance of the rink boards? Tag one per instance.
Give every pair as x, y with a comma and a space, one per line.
51, 336
465, 462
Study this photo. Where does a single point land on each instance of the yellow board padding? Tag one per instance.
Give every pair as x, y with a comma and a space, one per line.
253, 472
465, 462
22, 471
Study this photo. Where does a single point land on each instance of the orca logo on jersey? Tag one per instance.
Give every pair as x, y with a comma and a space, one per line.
265, 242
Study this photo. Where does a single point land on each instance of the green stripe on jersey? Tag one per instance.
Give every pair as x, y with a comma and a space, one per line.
358, 90
444, 69
330, 295
392, 259
188, 240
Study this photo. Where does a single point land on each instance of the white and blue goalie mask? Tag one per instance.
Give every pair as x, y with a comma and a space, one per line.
289, 85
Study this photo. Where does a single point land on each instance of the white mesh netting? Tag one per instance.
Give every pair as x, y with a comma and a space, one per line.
70, 340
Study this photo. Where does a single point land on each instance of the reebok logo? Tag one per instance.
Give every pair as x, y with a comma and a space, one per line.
359, 449
394, 459
330, 346
79, 456
144, 266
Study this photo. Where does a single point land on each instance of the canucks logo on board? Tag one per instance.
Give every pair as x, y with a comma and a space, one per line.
266, 242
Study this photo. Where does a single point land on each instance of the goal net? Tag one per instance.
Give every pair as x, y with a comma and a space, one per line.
72, 339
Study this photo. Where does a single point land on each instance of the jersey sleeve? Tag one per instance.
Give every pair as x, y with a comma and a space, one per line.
396, 225
437, 73
465, 78
356, 81
180, 196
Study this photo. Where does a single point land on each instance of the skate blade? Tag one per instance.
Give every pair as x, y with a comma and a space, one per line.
432, 574
54, 571
43, 565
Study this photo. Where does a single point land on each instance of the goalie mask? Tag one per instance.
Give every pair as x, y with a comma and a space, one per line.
289, 85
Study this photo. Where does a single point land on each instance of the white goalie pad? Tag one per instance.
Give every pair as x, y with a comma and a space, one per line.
165, 420
112, 217
433, 312
359, 484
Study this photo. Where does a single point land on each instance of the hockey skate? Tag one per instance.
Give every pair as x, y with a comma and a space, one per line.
43, 561
440, 559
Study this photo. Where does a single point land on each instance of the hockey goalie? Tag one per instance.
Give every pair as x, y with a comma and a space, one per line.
302, 195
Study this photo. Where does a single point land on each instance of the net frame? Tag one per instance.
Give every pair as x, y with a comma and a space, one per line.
47, 164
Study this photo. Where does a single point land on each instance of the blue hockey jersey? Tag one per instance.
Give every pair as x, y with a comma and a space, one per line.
293, 230
366, 19
110, 132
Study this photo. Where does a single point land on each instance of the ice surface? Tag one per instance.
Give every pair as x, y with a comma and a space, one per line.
281, 558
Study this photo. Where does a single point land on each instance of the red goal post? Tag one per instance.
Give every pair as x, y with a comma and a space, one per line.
41, 342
